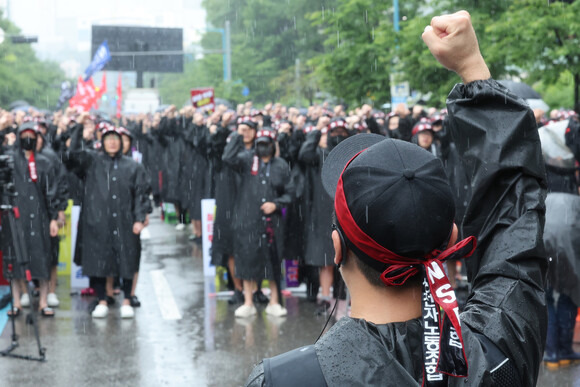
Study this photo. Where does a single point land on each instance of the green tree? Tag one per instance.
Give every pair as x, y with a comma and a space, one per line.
23, 76
541, 38
267, 36
421, 69
358, 38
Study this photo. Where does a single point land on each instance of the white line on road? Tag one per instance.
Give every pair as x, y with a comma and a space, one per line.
167, 305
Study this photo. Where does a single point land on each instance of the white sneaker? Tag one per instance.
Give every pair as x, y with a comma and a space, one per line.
101, 311
127, 311
180, 227
52, 300
25, 300
245, 311
276, 310
145, 234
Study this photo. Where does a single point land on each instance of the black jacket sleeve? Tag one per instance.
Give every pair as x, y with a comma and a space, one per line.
235, 155
308, 154
495, 132
79, 158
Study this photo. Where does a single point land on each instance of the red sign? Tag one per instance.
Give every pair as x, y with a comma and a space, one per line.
203, 99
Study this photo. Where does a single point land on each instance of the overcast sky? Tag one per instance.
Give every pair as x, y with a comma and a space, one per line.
63, 27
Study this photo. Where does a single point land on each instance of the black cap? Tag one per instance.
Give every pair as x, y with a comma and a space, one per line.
28, 125
396, 192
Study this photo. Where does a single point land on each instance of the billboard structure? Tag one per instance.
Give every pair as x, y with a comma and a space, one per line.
141, 49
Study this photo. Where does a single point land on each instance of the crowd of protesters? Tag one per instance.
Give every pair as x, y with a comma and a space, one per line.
263, 167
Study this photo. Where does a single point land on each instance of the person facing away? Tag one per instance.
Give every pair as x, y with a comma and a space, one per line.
394, 228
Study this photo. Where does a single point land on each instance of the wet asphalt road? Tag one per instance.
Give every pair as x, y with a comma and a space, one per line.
183, 335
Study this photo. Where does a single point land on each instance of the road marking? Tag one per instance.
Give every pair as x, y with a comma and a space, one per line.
165, 300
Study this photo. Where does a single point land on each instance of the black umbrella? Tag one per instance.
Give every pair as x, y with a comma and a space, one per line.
521, 89
562, 243
18, 103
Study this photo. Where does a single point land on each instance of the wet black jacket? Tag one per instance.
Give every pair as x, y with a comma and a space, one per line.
226, 188
318, 204
115, 197
168, 146
562, 243
271, 183
505, 316
38, 204
456, 173
194, 169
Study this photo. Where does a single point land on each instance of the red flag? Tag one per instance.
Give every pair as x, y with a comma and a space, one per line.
119, 95
86, 96
103, 89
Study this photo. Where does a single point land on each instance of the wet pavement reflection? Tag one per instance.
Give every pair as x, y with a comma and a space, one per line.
184, 334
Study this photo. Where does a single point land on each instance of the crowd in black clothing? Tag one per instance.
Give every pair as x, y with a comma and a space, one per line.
261, 166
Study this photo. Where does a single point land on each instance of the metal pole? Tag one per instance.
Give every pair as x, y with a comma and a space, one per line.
297, 81
396, 15
227, 53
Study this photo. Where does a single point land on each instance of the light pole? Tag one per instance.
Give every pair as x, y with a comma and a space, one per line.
396, 15
225, 48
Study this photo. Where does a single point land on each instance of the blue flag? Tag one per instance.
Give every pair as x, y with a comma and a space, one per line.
102, 56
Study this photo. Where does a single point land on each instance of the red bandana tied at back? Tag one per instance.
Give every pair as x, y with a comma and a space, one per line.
443, 350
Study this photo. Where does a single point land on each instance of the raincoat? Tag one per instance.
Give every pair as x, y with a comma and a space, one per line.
38, 204
319, 250
226, 185
62, 193
194, 173
504, 322
115, 197
171, 130
270, 183
455, 169
290, 145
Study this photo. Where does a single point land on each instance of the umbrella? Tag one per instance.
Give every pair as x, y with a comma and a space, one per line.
18, 103
554, 149
538, 104
24, 108
521, 89
562, 243
524, 91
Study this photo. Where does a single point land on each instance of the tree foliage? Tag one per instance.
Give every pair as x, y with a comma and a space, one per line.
23, 76
348, 48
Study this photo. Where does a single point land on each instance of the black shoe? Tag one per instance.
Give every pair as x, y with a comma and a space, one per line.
93, 305
195, 239
134, 301
237, 298
260, 298
323, 308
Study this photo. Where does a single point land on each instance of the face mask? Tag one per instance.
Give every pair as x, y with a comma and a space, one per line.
334, 141
264, 149
28, 143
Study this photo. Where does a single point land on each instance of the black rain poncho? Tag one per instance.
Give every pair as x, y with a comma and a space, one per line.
270, 183
38, 204
505, 316
115, 197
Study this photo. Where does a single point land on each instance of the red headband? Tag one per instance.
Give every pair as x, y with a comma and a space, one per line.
436, 288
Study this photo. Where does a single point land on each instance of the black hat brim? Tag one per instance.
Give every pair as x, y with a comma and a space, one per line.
341, 155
